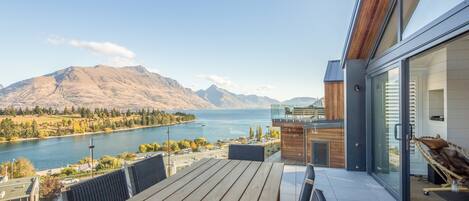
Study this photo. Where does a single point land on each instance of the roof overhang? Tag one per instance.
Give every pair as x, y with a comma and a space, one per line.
365, 28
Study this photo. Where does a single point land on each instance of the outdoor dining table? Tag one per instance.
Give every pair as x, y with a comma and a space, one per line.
219, 179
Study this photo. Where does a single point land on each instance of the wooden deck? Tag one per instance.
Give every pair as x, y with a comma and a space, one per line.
219, 179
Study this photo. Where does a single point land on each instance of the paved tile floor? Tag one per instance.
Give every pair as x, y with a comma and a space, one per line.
337, 185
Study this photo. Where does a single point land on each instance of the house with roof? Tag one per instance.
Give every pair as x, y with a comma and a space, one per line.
315, 134
20, 189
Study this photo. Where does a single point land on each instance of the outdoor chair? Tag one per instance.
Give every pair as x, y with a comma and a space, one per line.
146, 173
448, 160
246, 152
108, 187
317, 195
308, 183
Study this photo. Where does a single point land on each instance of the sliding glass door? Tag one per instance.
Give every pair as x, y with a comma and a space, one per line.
386, 128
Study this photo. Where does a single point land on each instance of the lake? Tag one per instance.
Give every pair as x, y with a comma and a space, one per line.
58, 152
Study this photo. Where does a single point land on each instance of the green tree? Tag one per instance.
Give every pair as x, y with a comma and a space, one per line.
68, 171
108, 162
200, 141
260, 135
251, 133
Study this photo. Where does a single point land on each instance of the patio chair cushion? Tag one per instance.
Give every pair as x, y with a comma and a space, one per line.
107, 187
146, 173
246, 152
435, 144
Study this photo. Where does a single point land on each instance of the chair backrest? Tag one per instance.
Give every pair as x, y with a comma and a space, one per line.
317, 195
308, 183
108, 187
146, 173
310, 174
246, 152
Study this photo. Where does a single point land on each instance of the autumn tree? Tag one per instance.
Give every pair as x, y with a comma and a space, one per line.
18, 169
49, 187
142, 148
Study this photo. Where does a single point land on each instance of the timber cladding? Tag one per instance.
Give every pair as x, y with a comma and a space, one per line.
292, 143
368, 22
335, 138
334, 100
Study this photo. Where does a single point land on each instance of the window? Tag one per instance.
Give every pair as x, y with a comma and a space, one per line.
320, 155
390, 35
418, 13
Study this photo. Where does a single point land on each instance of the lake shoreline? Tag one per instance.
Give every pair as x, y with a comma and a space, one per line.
94, 133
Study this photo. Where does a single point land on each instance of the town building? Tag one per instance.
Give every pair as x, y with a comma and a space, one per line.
312, 134
21, 189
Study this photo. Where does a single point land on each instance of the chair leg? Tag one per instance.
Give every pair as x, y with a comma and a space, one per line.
426, 191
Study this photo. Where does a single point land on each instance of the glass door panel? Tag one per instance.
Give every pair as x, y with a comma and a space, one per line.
386, 119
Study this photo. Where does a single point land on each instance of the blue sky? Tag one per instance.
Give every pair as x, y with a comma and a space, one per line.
277, 48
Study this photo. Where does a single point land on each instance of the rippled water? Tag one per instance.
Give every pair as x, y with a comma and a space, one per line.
57, 152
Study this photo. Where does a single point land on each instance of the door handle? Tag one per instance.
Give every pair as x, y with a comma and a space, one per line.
395, 131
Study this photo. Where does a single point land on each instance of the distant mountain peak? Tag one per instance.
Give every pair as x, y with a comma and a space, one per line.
223, 98
301, 101
131, 87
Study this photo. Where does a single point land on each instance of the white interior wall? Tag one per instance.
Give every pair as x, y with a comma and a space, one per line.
435, 79
458, 92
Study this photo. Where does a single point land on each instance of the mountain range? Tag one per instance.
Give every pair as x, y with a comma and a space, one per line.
222, 98
131, 87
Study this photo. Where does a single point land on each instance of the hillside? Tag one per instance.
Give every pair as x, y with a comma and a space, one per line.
300, 101
132, 87
224, 99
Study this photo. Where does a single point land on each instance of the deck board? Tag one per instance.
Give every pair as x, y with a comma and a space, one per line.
159, 186
219, 191
237, 190
274, 180
219, 179
209, 184
254, 189
166, 192
196, 182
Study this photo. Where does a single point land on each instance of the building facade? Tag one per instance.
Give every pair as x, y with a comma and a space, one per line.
406, 66
312, 134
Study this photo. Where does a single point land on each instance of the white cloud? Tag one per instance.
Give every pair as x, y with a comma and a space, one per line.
219, 81
105, 48
116, 54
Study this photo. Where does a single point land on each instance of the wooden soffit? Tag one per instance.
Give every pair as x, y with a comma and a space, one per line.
367, 25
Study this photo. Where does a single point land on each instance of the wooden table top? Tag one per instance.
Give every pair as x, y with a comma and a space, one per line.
219, 179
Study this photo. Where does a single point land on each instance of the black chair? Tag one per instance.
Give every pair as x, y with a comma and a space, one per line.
317, 196
108, 187
146, 173
246, 152
308, 183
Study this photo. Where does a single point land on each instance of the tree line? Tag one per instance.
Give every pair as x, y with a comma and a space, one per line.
80, 120
176, 146
258, 134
